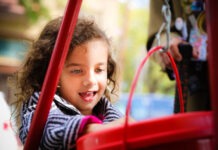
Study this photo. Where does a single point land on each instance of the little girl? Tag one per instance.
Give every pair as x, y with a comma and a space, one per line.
82, 100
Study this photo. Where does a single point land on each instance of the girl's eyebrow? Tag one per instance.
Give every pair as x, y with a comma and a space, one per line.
72, 64
101, 63
77, 64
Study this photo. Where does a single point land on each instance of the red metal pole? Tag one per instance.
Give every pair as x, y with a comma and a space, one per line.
212, 31
52, 75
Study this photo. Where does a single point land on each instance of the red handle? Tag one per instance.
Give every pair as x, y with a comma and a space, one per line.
52, 75
134, 83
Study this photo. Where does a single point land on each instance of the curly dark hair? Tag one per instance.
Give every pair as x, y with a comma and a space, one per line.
31, 76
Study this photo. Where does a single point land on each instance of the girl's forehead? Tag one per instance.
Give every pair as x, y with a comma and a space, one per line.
94, 45
94, 49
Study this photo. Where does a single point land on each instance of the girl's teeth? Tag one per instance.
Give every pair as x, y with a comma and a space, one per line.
87, 94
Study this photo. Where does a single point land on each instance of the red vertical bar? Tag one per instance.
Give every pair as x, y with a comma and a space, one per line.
212, 30
52, 75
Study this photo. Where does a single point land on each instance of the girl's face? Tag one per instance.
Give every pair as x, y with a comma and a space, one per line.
84, 77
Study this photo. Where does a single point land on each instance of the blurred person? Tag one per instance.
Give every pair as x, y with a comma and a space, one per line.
8, 139
188, 46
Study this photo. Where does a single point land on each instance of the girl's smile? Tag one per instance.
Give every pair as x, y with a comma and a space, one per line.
88, 96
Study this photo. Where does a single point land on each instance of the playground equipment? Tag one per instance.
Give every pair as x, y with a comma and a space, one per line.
182, 131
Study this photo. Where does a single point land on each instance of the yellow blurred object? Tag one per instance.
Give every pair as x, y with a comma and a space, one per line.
201, 22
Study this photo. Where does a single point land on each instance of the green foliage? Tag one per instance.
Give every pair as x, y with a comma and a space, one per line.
157, 80
135, 39
152, 78
34, 9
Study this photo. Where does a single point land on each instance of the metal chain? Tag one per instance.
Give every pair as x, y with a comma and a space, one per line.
167, 21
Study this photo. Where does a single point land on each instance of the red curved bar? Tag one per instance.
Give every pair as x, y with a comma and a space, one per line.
52, 75
212, 31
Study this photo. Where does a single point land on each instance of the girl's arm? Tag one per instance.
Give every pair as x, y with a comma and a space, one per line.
93, 127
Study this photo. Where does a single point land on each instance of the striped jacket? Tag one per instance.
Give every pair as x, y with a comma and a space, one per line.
65, 123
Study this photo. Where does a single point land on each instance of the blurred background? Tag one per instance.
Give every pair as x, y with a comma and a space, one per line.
125, 21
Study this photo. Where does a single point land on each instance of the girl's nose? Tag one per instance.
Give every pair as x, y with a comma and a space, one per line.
90, 79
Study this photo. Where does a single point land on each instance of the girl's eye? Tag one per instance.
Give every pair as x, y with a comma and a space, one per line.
76, 71
99, 70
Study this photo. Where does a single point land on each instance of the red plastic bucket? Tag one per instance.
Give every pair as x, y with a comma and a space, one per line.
189, 131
